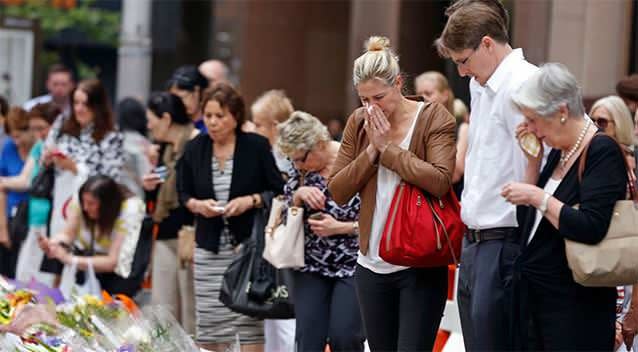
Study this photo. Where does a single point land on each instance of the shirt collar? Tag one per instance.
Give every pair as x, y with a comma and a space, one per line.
502, 72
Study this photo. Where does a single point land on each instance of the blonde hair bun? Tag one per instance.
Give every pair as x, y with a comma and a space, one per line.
377, 43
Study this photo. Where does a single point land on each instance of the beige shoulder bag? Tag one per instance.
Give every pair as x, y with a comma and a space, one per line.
284, 244
613, 261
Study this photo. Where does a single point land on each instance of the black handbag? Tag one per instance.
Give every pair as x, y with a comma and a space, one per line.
19, 224
115, 284
42, 183
252, 286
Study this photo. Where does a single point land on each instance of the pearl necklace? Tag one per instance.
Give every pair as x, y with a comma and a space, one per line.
564, 157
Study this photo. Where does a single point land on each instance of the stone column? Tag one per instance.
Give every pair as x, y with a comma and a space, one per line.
134, 54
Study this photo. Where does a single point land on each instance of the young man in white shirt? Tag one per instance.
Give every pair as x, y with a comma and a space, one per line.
476, 39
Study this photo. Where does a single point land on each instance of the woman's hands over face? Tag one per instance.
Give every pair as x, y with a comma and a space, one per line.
377, 128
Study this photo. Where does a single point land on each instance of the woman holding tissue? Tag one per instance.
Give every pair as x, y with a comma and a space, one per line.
565, 315
220, 178
393, 138
169, 123
325, 300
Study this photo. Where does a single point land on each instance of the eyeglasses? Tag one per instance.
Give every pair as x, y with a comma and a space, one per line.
464, 61
602, 122
302, 159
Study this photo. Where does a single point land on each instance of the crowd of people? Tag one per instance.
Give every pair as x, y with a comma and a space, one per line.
195, 164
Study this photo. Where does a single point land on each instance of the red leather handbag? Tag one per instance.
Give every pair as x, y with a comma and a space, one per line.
421, 230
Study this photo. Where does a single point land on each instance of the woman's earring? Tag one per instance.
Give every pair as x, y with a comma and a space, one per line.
563, 119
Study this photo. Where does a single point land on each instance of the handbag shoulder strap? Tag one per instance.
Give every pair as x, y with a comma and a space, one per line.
583, 161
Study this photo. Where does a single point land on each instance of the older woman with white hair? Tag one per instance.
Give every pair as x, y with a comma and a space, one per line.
565, 315
326, 306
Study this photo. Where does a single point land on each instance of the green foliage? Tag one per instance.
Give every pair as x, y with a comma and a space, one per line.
99, 25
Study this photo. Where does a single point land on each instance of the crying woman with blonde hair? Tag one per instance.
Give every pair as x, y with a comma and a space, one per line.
392, 139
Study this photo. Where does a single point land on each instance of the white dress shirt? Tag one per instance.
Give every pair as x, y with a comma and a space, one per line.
493, 156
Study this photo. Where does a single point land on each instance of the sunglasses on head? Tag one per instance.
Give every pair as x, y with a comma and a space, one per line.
601, 122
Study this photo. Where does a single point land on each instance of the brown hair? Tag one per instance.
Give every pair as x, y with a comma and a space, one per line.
469, 22
111, 195
59, 68
98, 102
47, 112
17, 119
627, 87
228, 98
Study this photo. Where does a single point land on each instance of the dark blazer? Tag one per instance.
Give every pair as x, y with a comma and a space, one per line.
603, 183
254, 171
541, 273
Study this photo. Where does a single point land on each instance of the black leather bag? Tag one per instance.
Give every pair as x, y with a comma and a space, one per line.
19, 224
252, 286
114, 284
42, 184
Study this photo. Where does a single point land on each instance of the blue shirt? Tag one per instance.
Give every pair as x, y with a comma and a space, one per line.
10, 165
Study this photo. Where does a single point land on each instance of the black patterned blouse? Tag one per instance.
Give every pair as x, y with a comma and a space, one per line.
333, 256
104, 158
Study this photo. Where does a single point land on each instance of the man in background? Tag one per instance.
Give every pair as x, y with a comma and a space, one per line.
214, 71
627, 89
59, 84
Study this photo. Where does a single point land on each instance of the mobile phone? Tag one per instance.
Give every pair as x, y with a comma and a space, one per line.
58, 154
162, 171
316, 216
219, 209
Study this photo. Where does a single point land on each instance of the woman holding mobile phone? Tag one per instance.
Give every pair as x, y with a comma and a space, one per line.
224, 166
169, 123
104, 223
84, 144
326, 307
41, 118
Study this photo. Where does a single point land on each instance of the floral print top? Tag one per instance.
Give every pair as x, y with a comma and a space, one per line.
100, 158
332, 256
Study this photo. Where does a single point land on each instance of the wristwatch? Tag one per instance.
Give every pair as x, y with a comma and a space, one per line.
256, 203
543, 206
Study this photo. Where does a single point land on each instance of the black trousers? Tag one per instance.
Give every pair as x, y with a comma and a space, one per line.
326, 311
484, 293
571, 320
402, 311
9, 256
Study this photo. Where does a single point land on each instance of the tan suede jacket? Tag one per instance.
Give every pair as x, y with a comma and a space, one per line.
428, 164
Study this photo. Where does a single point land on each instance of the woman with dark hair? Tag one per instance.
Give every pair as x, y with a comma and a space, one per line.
87, 144
172, 280
220, 179
14, 153
189, 84
104, 222
131, 118
41, 117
